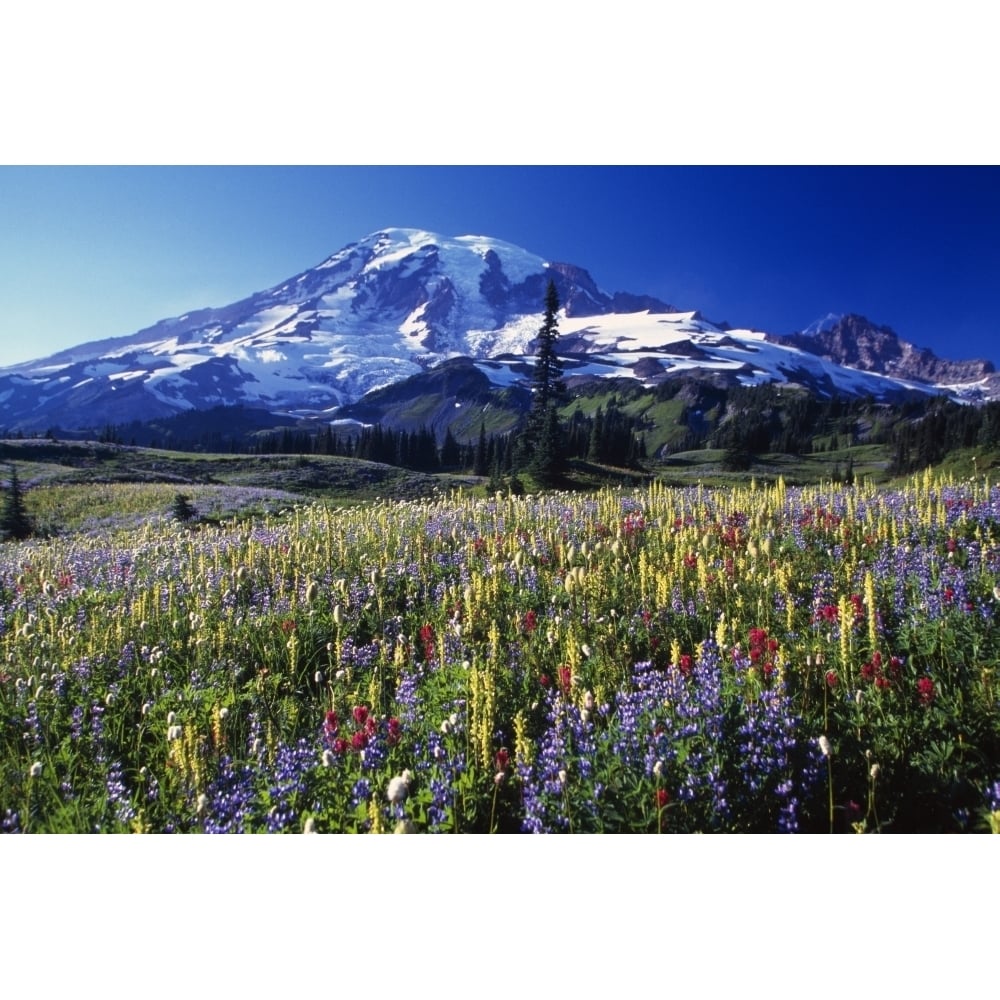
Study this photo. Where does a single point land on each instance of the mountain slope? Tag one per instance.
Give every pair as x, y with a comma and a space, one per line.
858, 343
401, 301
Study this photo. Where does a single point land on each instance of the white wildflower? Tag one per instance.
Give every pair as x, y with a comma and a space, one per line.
398, 790
824, 745
309, 826
36, 769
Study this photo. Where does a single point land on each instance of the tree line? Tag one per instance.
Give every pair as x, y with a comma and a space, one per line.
741, 421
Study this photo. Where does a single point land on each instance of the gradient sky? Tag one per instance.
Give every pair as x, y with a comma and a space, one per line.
94, 252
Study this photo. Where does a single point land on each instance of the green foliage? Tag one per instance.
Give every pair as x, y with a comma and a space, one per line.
940, 427
14, 520
736, 460
541, 443
183, 510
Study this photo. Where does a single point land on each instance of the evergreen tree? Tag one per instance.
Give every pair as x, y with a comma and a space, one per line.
14, 520
495, 471
595, 449
183, 510
480, 462
451, 455
541, 441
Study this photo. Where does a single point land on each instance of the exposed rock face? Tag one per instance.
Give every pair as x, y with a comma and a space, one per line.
859, 343
580, 296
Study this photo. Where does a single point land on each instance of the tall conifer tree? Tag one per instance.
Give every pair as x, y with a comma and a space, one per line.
14, 520
541, 442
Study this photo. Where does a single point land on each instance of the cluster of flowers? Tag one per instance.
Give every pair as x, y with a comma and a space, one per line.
427, 642
882, 675
366, 728
632, 524
762, 651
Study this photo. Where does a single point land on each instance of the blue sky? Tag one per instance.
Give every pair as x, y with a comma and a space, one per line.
92, 252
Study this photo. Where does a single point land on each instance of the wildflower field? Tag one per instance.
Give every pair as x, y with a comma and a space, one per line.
753, 659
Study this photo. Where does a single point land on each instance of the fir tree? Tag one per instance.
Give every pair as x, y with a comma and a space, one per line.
541, 441
451, 455
183, 510
480, 462
595, 449
14, 520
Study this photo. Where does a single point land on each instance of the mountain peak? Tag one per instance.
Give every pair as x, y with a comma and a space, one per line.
401, 301
829, 321
855, 341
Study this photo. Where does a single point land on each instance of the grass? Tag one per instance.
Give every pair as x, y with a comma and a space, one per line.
70, 487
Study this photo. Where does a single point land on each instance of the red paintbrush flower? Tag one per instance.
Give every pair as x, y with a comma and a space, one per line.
925, 688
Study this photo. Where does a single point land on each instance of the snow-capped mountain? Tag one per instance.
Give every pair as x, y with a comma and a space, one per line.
395, 304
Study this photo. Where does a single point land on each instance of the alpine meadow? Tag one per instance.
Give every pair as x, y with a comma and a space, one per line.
386, 548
